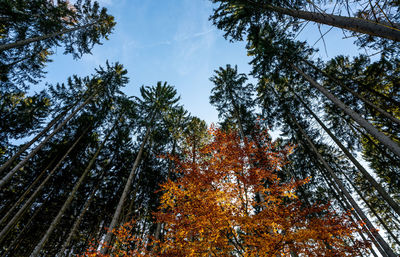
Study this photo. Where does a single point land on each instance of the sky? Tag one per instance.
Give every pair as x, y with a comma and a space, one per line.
173, 41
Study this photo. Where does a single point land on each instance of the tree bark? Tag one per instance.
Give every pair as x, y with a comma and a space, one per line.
27, 191
372, 209
79, 219
18, 239
365, 173
236, 113
7, 177
395, 148
28, 202
39, 246
346, 206
388, 251
124, 195
27, 145
349, 23
371, 141
376, 93
355, 94
40, 38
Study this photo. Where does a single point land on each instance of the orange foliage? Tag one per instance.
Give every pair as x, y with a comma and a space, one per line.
211, 209
126, 244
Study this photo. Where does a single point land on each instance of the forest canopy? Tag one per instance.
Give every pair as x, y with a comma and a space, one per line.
89, 170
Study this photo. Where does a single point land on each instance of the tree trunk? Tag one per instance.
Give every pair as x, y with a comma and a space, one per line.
381, 244
355, 94
379, 94
346, 206
79, 219
117, 213
27, 145
237, 116
18, 239
365, 173
28, 202
372, 209
7, 177
349, 23
157, 233
170, 162
27, 191
39, 246
371, 141
388, 251
355, 116
40, 38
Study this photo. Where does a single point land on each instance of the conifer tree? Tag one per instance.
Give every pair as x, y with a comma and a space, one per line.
33, 28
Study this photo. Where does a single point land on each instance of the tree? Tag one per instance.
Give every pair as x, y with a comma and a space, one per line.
231, 96
27, 40
235, 17
103, 85
209, 209
155, 103
60, 214
20, 115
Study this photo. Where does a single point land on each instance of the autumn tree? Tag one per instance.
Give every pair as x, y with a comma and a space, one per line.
210, 209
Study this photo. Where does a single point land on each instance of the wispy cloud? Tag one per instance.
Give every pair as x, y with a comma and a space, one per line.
180, 38
176, 39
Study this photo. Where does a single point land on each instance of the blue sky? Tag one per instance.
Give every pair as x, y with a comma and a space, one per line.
173, 41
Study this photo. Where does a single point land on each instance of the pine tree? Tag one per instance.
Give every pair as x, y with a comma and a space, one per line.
27, 40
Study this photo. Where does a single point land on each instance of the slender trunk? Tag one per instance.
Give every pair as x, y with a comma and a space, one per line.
40, 38
355, 116
194, 151
71, 196
357, 95
349, 23
376, 93
388, 251
117, 213
27, 191
28, 202
365, 173
171, 161
371, 141
18, 239
27, 145
237, 116
7, 177
132, 203
157, 234
346, 206
79, 219
6, 66
372, 209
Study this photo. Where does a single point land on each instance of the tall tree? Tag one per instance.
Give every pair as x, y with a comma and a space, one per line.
104, 84
235, 17
155, 102
27, 39
56, 220
230, 95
